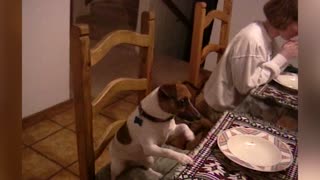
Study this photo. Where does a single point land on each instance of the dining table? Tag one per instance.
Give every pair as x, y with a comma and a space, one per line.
271, 108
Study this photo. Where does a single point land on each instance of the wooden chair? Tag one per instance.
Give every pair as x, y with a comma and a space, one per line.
197, 75
83, 58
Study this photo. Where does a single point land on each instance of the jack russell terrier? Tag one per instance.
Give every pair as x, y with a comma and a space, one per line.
149, 126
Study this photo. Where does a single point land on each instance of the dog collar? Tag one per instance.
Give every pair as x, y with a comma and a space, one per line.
150, 117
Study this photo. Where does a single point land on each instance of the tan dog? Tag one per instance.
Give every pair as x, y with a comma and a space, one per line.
148, 128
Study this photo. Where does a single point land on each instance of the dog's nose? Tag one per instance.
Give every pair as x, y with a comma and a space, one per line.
190, 115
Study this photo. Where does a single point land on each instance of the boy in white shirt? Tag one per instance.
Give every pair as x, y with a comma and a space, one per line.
248, 61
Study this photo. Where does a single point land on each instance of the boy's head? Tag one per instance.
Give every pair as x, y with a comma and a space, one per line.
283, 15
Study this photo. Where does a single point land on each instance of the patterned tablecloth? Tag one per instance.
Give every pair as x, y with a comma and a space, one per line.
210, 163
280, 95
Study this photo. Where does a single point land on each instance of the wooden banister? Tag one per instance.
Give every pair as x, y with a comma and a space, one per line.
176, 11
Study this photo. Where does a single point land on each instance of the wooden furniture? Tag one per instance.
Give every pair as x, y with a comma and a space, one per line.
197, 75
270, 108
83, 58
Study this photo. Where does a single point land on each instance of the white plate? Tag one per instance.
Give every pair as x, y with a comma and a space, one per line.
289, 80
255, 149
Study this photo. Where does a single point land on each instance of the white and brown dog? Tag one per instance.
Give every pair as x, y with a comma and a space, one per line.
148, 128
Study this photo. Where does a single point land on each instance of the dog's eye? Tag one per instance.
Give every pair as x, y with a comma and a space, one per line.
183, 102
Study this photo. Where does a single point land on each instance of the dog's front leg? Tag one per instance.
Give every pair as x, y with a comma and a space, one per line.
183, 129
154, 150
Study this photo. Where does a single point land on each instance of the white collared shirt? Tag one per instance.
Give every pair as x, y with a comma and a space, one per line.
245, 65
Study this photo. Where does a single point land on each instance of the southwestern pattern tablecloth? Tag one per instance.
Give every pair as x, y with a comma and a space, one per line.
280, 96
210, 163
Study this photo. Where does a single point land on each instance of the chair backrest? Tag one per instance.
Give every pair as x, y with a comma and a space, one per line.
201, 21
83, 58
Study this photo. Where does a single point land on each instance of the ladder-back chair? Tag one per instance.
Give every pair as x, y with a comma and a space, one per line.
83, 58
197, 75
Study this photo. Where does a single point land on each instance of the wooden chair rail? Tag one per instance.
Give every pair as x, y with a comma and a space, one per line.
201, 22
216, 14
227, 6
115, 38
115, 86
79, 43
107, 137
84, 29
211, 48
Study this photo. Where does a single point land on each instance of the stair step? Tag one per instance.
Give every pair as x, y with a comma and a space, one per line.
110, 15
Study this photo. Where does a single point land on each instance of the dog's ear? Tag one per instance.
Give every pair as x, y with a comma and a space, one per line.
168, 90
192, 89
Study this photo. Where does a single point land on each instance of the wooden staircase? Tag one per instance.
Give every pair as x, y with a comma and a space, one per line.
109, 15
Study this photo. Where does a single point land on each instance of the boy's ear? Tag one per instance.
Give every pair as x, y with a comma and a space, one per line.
168, 90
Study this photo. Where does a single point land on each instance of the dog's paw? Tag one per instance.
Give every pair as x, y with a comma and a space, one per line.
185, 159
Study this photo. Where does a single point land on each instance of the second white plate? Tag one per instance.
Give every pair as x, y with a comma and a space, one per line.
289, 80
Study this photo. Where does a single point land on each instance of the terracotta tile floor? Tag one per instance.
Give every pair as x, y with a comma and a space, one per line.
49, 147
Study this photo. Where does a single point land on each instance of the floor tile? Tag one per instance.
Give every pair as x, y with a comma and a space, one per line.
35, 166
72, 127
74, 168
60, 147
65, 118
119, 110
64, 175
100, 124
38, 131
102, 161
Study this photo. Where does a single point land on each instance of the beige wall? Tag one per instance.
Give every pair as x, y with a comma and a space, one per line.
170, 37
45, 54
